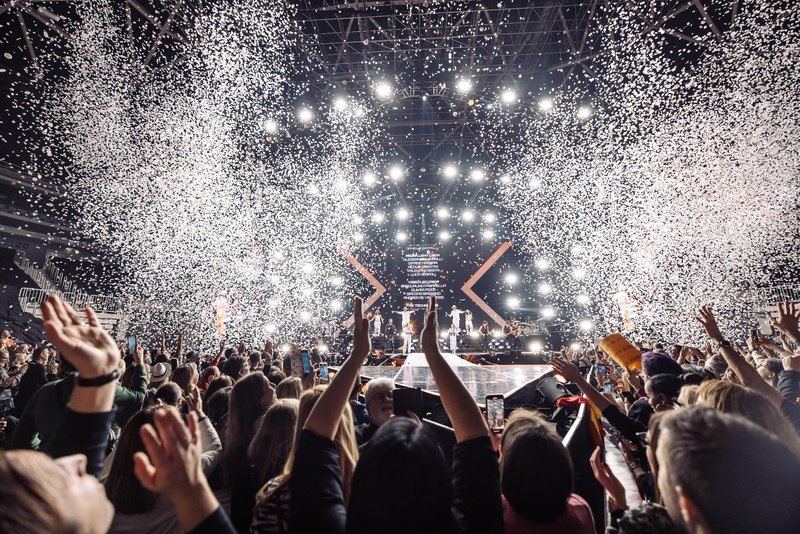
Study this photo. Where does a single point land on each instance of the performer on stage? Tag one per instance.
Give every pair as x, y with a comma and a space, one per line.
467, 322
454, 338
377, 323
405, 325
391, 333
483, 330
511, 331
456, 315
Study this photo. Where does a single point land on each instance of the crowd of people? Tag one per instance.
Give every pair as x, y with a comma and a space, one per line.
99, 438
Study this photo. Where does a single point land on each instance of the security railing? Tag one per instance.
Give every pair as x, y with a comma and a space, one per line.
30, 298
50, 278
768, 296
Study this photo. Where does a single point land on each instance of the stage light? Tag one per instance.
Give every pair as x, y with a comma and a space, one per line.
511, 278
575, 346
489, 217
548, 313
322, 349
358, 236
542, 264
305, 316
477, 175
336, 305
450, 172
443, 334
403, 214
586, 325
545, 288
383, 90
396, 173
306, 292
545, 103
358, 219
582, 299
468, 215
270, 126
369, 179
579, 273
442, 213
513, 302
340, 185
337, 281
401, 237
488, 234
505, 179
285, 347
535, 347
463, 85
497, 334
308, 268
305, 115
359, 111
378, 217
584, 112
271, 328
474, 334
509, 96
339, 103
313, 190
275, 279
444, 235
535, 183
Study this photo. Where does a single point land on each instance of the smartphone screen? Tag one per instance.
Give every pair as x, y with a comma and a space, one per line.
323, 371
131, 344
607, 388
305, 359
600, 368
495, 412
406, 400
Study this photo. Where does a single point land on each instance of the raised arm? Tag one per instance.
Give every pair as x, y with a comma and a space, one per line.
787, 321
468, 422
746, 373
324, 417
572, 373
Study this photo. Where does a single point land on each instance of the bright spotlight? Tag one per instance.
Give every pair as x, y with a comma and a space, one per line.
548, 313
582, 299
340, 185
474, 334
442, 213
450, 172
535, 183
490, 217
584, 112
509, 96
336, 305
488, 234
358, 219
369, 179
270, 126
285, 347
468, 215
275, 279
535, 346
322, 349
513, 302
464, 85
545, 103
378, 217
383, 90
337, 281
401, 237
444, 235
271, 328
579, 274
358, 237
305, 115
402, 214
505, 179
340, 103
542, 264
443, 334
305, 316
313, 190
306, 292
575, 346
586, 325
545, 288
308, 268
511, 278
396, 173
477, 175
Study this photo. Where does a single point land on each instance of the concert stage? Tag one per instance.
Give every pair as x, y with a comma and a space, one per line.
481, 380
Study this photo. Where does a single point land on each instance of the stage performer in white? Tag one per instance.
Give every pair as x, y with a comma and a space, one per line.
377, 323
456, 315
453, 338
405, 326
467, 322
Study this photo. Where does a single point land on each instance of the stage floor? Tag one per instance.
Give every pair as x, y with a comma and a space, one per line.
481, 380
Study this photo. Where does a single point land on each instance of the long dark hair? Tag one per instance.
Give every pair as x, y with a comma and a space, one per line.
247, 406
122, 486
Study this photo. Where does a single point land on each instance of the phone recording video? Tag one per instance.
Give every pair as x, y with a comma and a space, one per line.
131, 344
323, 372
496, 412
406, 400
305, 360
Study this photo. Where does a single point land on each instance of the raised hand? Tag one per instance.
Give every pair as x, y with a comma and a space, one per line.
362, 344
429, 336
566, 369
615, 489
87, 346
787, 320
138, 354
709, 322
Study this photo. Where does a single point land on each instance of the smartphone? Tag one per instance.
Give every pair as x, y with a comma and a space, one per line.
406, 400
323, 371
607, 388
754, 334
305, 359
496, 412
601, 368
131, 344
197, 353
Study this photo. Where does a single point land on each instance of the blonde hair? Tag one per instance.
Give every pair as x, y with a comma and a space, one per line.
733, 398
289, 388
273, 441
688, 395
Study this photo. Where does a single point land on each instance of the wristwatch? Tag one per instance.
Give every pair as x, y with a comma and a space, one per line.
725, 343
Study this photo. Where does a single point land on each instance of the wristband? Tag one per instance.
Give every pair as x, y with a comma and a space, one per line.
725, 343
98, 381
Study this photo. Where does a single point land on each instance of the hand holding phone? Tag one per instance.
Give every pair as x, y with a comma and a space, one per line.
323, 372
305, 360
406, 400
496, 413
